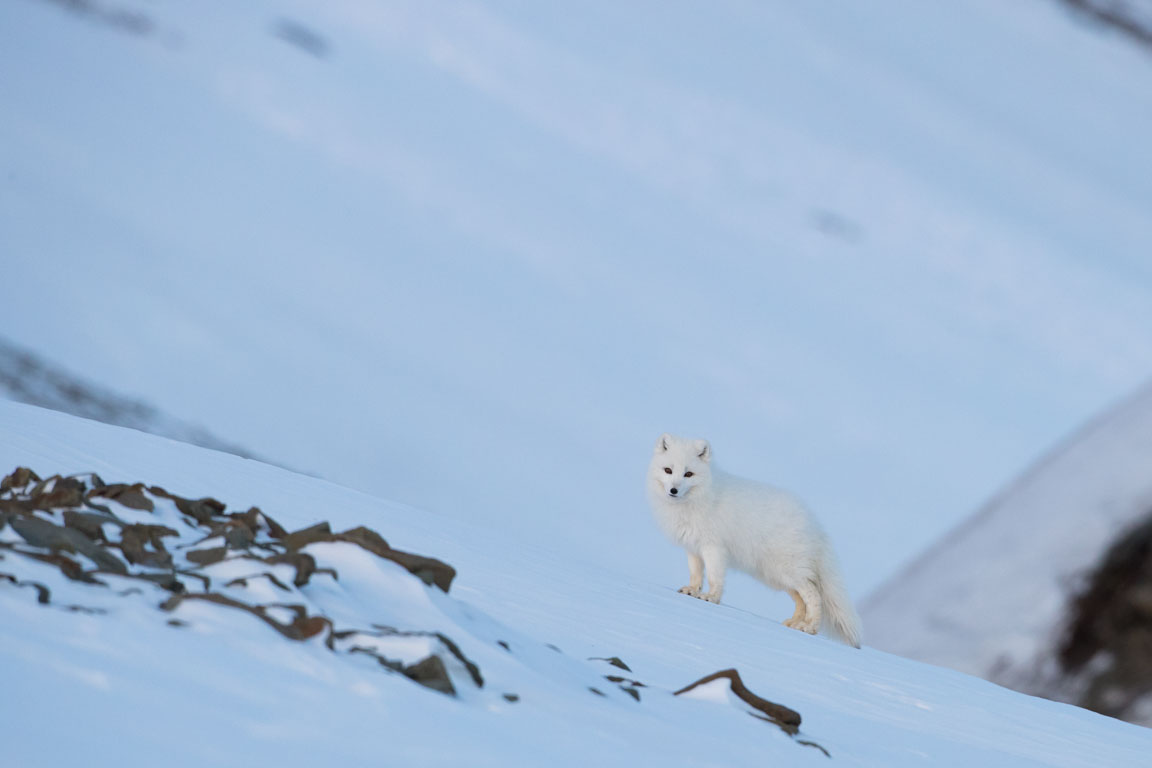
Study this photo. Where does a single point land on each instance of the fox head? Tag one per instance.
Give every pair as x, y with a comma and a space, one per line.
678, 466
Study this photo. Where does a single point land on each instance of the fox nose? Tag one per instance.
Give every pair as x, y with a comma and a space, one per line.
674, 491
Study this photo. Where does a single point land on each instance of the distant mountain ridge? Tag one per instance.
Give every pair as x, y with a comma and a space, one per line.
1132, 18
27, 377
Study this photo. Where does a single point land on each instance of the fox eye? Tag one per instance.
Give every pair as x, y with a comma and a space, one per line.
667, 470
689, 474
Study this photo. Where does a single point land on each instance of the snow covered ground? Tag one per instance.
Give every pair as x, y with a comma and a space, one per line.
126, 688
476, 256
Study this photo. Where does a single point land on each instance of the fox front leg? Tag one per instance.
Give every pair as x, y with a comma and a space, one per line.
695, 575
716, 563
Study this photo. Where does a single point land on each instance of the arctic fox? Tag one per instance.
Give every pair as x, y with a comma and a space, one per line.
723, 520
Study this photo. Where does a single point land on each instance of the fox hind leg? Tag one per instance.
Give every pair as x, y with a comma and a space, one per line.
813, 613
800, 612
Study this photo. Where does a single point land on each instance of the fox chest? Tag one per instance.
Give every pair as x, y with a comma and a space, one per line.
686, 526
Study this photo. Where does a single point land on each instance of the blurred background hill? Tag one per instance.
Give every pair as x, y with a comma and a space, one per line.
1048, 588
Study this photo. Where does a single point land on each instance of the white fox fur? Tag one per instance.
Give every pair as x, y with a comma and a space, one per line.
725, 521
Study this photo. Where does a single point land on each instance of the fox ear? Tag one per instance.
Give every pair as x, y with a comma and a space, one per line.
663, 443
703, 450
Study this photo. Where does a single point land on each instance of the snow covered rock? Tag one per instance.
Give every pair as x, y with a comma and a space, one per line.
104, 535
1104, 659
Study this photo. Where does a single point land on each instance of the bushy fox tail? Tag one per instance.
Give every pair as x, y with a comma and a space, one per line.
838, 611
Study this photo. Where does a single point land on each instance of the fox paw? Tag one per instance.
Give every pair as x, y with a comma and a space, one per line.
691, 591
710, 597
803, 626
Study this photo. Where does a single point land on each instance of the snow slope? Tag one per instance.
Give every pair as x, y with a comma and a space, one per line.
991, 597
126, 688
476, 256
